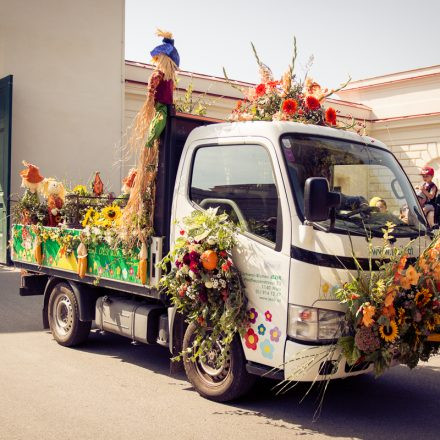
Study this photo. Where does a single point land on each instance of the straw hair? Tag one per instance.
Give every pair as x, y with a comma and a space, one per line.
164, 34
166, 65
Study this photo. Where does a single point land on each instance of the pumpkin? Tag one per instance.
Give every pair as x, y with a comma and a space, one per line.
209, 259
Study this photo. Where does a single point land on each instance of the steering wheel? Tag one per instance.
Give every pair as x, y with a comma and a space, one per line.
363, 210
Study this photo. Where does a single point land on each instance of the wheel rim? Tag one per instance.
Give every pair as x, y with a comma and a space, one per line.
62, 313
209, 371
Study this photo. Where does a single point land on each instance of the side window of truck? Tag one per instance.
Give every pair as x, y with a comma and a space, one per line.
239, 180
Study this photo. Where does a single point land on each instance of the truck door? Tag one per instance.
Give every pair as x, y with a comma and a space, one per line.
5, 162
244, 180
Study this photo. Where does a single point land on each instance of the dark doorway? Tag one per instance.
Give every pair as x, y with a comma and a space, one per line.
5, 163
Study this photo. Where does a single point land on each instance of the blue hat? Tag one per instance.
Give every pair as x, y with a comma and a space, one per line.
168, 49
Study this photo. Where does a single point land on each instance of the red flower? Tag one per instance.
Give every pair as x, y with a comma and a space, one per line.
194, 266
260, 90
251, 339
330, 116
223, 254
289, 106
300, 111
273, 84
312, 103
268, 316
182, 232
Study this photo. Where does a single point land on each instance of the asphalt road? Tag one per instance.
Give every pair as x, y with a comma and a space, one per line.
109, 389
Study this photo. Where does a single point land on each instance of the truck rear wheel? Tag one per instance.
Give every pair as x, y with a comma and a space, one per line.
221, 383
64, 321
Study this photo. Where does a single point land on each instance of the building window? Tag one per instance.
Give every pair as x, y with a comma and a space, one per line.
239, 180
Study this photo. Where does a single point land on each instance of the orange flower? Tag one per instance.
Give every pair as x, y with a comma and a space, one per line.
289, 106
423, 264
389, 312
273, 84
312, 103
260, 90
411, 278
368, 312
330, 116
389, 299
238, 105
437, 273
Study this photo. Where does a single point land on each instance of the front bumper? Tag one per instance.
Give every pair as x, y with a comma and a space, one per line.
310, 363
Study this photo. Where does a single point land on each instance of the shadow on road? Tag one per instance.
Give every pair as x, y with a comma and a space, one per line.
394, 406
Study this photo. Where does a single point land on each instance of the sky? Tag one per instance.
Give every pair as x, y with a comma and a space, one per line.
360, 38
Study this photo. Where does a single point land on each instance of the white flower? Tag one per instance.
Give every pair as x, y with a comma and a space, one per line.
211, 240
208, 284
192, 275
215, 284
223, 283
184, 269
96, 230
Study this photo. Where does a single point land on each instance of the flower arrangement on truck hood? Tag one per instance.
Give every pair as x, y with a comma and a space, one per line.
286, 99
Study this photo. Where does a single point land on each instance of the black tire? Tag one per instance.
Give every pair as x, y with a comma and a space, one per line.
64, 321
232, 382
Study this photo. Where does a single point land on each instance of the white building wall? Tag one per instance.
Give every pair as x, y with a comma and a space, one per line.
67, 59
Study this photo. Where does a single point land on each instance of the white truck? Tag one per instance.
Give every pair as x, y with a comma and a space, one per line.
302, 193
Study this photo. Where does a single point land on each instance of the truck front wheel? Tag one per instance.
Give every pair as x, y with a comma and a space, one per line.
64, 321
221, 383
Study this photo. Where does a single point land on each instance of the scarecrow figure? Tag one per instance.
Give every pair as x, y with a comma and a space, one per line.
143, 141
32, 180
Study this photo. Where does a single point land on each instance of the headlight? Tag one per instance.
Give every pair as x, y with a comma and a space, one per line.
314, 325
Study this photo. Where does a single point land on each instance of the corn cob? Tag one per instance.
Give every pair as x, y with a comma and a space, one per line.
37, 251
82, 260
142, 267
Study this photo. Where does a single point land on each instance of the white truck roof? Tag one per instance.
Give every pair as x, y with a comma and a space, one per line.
273, 130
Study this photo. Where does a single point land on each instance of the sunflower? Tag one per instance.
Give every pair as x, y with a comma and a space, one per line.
401, 318
389, 332
88, 217
110, 215
422, 297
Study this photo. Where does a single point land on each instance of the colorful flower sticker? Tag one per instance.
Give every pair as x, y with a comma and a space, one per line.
251, 339
325, 288
268, 316
267, 349
261, 329
253, 315
124, 273
275, 334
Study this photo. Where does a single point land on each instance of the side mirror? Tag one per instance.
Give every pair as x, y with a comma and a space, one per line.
318, 200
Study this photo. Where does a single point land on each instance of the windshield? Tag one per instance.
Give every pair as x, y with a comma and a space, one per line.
373, 187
